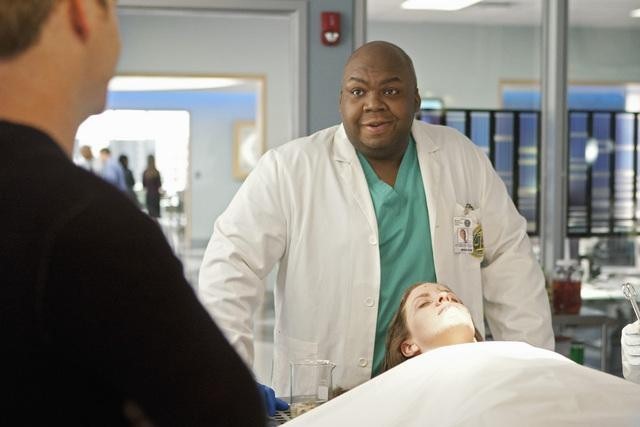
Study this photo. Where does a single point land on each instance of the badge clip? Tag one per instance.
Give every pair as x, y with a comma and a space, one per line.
467, 208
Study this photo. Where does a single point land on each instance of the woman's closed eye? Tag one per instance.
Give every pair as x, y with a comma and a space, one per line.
424, 303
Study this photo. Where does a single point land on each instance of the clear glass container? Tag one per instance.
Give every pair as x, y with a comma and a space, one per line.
566, 286
311, 384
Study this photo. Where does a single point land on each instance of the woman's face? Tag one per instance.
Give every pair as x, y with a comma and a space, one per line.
435, 317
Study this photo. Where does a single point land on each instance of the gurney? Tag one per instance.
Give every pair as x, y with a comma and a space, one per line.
484, 384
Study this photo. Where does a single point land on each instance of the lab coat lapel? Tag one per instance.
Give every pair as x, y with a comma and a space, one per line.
353, 177
430, 169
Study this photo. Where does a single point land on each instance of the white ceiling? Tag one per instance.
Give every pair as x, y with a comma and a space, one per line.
582, 13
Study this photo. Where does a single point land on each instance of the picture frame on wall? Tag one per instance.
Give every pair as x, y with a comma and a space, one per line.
247, 148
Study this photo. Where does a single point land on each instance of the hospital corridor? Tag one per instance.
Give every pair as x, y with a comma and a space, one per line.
314, 213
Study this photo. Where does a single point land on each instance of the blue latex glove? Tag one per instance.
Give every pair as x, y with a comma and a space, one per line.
271, 402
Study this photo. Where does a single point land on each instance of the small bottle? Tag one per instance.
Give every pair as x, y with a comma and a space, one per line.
577, 352
566, 286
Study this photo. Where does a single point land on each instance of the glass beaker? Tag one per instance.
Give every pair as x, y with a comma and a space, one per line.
311, 384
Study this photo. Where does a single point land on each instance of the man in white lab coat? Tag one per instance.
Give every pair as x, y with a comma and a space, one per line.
356, 213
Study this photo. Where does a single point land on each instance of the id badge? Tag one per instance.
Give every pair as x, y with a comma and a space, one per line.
463, 234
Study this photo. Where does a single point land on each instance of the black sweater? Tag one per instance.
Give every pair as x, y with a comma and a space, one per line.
94, 307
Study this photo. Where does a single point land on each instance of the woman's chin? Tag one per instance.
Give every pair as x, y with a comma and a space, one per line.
460, 333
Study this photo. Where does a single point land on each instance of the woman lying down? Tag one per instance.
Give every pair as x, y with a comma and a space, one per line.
440, 374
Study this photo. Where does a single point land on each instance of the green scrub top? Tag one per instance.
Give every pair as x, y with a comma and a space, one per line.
404, 236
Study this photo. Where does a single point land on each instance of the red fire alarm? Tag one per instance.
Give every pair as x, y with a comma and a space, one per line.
330, 34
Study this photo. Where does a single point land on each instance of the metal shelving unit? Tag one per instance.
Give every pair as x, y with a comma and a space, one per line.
602, 196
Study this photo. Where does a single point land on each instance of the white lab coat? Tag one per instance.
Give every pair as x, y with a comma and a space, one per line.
307, 206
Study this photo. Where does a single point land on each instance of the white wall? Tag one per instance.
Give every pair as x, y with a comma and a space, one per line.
326, 63
213, 44
604, 54
464, 64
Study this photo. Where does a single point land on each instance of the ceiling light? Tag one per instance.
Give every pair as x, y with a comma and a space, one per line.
438, 4
591, 151
635, 13
632, 103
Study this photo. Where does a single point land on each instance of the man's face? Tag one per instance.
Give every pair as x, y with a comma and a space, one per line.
378, 101
432, 311
86, 152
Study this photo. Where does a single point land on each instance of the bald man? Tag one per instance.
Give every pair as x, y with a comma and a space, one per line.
97, 323
356, 213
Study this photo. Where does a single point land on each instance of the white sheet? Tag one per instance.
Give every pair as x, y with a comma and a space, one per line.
484, 384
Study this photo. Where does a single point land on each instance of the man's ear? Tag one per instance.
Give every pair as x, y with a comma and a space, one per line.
79, 18
409, 349
418, 100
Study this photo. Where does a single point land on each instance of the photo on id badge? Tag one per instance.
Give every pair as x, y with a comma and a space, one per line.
462, 229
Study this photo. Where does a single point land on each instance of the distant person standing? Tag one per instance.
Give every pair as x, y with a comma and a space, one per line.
129, 180
112, 171
85, 161
152, 182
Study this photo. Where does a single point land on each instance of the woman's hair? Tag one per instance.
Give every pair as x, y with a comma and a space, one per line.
151, 162
398, 332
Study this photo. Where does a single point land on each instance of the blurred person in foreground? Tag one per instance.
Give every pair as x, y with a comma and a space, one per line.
90, 336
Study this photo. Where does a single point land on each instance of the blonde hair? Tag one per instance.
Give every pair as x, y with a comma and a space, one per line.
398, 332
